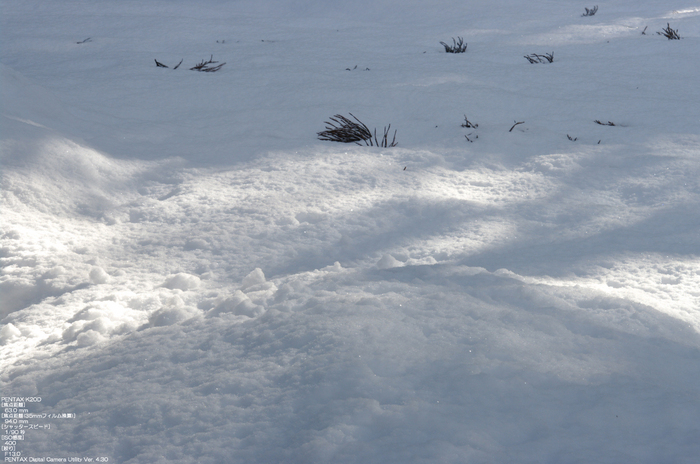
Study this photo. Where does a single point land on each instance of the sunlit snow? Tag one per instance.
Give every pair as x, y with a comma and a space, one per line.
198, 278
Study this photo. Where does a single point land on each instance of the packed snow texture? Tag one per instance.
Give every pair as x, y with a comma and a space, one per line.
199, 279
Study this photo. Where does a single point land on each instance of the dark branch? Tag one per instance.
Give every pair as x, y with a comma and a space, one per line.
669, 33
468, 123
590, 12
458, 46
513, 127
535, 58
345, 130
203, 66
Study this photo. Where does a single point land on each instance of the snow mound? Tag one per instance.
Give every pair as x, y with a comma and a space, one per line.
182, 281
388, 261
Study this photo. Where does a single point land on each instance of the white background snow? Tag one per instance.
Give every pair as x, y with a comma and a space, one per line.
198, 278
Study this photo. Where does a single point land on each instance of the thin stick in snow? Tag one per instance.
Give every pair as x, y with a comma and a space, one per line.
516, 123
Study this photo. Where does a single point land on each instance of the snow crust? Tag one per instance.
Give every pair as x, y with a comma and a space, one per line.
191, 272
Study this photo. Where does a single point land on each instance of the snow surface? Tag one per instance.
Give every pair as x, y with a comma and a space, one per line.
199, 279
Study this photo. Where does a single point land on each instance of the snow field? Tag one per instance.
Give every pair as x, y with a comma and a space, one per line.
196, 277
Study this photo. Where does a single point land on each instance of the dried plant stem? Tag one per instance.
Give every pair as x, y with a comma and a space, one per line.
345, 130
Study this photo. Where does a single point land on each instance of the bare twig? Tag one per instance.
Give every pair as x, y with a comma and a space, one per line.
516, 123
609, 123
84, 41
203, 66
468, 123
535, 58
212, 69
345, 130
573, 139
385, 141
669, 33
458, 46
159, 64
644, 32
178, 65
590, 12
